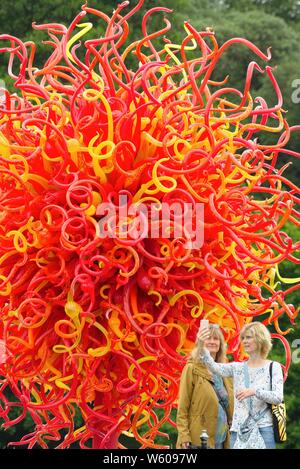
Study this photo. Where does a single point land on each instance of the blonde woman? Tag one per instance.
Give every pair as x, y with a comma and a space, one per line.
256, 341
205, 399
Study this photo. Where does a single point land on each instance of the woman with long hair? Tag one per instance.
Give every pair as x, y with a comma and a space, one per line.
205, 399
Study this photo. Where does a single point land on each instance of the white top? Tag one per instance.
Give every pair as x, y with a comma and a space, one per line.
259, 381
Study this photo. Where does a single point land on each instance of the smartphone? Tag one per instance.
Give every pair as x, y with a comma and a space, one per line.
204, 324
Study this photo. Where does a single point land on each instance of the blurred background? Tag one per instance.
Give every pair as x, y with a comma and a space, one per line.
266, 23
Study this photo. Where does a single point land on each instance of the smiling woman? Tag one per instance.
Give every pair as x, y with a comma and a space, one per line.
205, 399
257, 342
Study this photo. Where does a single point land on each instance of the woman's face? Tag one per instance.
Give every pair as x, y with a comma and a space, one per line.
249, 342
212, 344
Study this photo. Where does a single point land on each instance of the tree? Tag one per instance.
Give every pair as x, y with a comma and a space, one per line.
288, 10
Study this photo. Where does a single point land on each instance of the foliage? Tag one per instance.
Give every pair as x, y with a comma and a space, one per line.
289, 9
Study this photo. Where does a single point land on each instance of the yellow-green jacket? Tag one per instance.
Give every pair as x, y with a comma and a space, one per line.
198, 405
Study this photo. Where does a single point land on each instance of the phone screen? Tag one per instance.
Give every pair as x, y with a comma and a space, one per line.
204, 323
